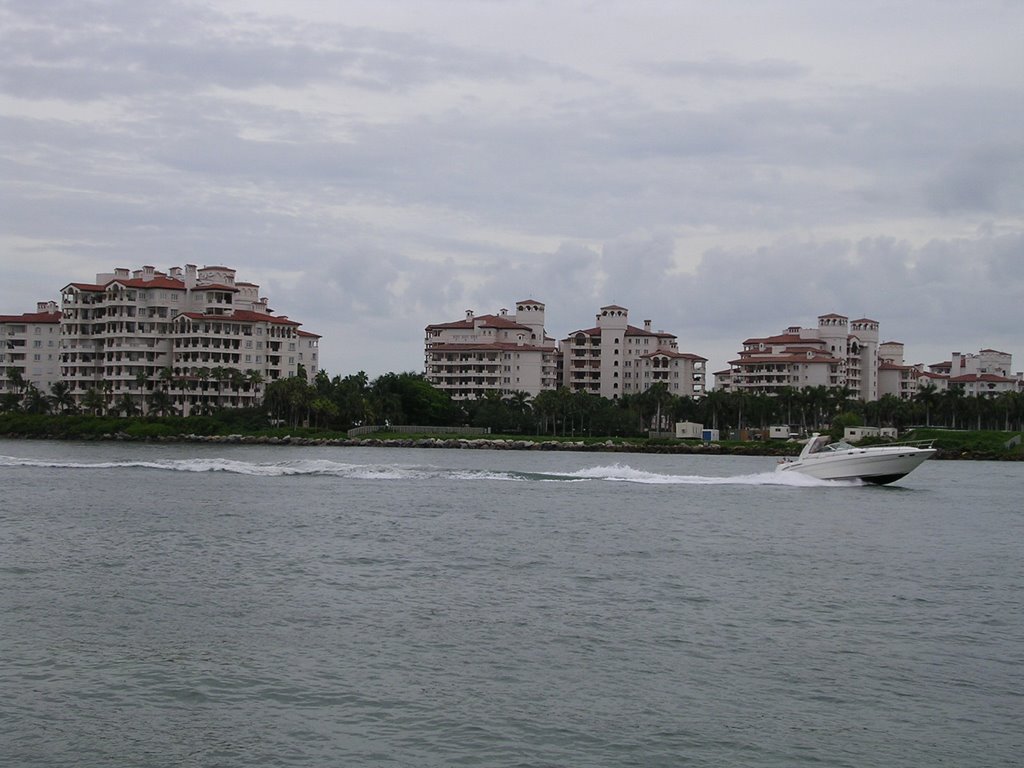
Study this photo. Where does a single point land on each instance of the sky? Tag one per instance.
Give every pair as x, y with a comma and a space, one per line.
725, 170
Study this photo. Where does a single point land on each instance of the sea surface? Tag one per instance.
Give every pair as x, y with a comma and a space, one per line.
210, 605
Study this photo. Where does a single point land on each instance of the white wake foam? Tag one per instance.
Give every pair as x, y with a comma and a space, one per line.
624, 473
619, 473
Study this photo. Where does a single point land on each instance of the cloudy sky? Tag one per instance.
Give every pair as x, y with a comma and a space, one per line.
723, 169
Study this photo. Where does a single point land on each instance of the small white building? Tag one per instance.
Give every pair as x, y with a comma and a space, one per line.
688, 430
854, 434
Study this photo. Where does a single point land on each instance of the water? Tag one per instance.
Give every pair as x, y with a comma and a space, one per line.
180, 605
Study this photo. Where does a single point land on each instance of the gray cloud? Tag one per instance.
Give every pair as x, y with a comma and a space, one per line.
400, 175
723, 68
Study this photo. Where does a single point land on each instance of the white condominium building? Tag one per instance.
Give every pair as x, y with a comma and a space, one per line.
895, 377
503, 353
196, 335
987, 373
838, 353
30, 349
614, 358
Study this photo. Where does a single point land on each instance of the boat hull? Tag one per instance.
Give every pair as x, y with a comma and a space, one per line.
871, 465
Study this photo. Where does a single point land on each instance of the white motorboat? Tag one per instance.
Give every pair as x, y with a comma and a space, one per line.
879, 464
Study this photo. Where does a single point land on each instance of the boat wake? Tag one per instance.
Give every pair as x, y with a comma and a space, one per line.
616, 473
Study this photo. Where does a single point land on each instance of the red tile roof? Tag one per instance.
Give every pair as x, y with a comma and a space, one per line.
485, 321
969, 378
673, 354
168, 283
784, 338
240, 316
818, 357
490, 346
631, 330
32, 317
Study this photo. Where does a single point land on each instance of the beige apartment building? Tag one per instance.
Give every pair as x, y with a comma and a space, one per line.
895, 377
504, 353
987, 373
198, 336
30, 349
838, 353
614, 358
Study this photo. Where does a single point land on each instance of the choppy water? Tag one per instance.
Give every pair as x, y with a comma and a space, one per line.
246, 606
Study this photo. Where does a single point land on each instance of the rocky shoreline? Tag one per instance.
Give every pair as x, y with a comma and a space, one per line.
608, 446
493, 444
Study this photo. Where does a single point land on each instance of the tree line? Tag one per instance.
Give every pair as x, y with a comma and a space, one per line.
150, 398
339, 403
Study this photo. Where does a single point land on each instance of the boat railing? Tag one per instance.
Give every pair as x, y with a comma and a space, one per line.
911, 443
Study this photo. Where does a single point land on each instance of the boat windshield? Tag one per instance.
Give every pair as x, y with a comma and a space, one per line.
821, 444
839, 445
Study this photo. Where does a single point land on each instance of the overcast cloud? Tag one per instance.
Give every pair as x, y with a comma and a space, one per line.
723, 169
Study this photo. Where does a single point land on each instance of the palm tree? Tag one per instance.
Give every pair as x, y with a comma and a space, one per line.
142, 379
658, 395
60, 396
786, 396
951, 400
166, 376
927, 396
818, 399
203, 375
1011, 404
253, 378
585, 405
126, 406
544, 405
17, 379
94, 402
324, 410
219, 375
715, 403
34, 401
160, 404
10, 402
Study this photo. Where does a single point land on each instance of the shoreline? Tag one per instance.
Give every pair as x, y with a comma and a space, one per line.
462, 443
